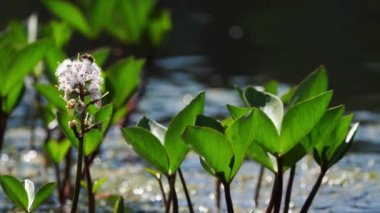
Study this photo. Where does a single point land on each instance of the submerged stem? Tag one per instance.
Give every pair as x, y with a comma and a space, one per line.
188, 199
258, 186
313, 192
227, 194
78, 177
288, 194
90, 193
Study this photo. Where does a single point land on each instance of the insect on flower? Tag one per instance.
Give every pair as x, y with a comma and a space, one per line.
80, 77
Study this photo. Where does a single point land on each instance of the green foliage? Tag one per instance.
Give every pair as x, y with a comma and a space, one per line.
51, 94
222, 154
57, 150
15, 191
98, 184
18, 193
119, 205
164, 149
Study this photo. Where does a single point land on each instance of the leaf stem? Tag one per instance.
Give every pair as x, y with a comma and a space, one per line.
218, 183
78, 177
258, 186
188, 199
90, 193
278, 194
288, 194
3, 124
162, 191
173, 193
227, 194
313, 192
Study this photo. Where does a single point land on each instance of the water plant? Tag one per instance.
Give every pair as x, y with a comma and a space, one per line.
85, 121
22, 193
164, 148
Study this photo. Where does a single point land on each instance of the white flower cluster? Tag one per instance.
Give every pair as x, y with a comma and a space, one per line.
80, 74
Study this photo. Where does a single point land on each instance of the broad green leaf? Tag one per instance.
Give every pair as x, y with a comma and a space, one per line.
266, 134
13, 98
57, 150
257, 153
154, 127
63, 121
15, 191
100, 55
205, 121
301, 118
313, 85
241, 134
53, 57
98, 184
42, 195
122, 79
344, 147
148, 147
24, 62
214, 148
92, 140
52, 94
237, 112
103, 117
119, 206
285, 98
270, 104
325, 125
61, 33
69, 13
271, 87
174, 144
159, 26
100, 14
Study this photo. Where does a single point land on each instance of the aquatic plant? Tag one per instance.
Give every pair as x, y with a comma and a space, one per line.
22, 193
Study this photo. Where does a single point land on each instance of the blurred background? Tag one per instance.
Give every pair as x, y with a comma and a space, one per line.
215, 45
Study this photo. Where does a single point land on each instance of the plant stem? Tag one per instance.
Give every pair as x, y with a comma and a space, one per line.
272, 198
189, 203
258, 186
66, 187
59, 184
278, 194
218, 183
162, 191
78, 177
227, 194
288, 194
3, 124
173, 192
313, 192
90, 193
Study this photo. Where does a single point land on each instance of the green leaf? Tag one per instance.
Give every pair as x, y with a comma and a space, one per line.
206, 121
158, 27
100, 55
57, 150
104, 116
98, 184
156, 174
301, 118
125, 70
313, 85
257, 153
214, 148
24, 62
92, 140
241, 134
52, 94
119, 205
237, 112
63, 121
53, 57
271, 87
15, 191
43, 194
323, 128
100, 14
266, 134
174, 144
148, 147
13, 98
271, 105
69, 13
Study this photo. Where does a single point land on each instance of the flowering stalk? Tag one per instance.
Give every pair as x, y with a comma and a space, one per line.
78, 80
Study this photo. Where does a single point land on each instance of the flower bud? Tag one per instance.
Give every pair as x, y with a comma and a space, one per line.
71, 104
73, 124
